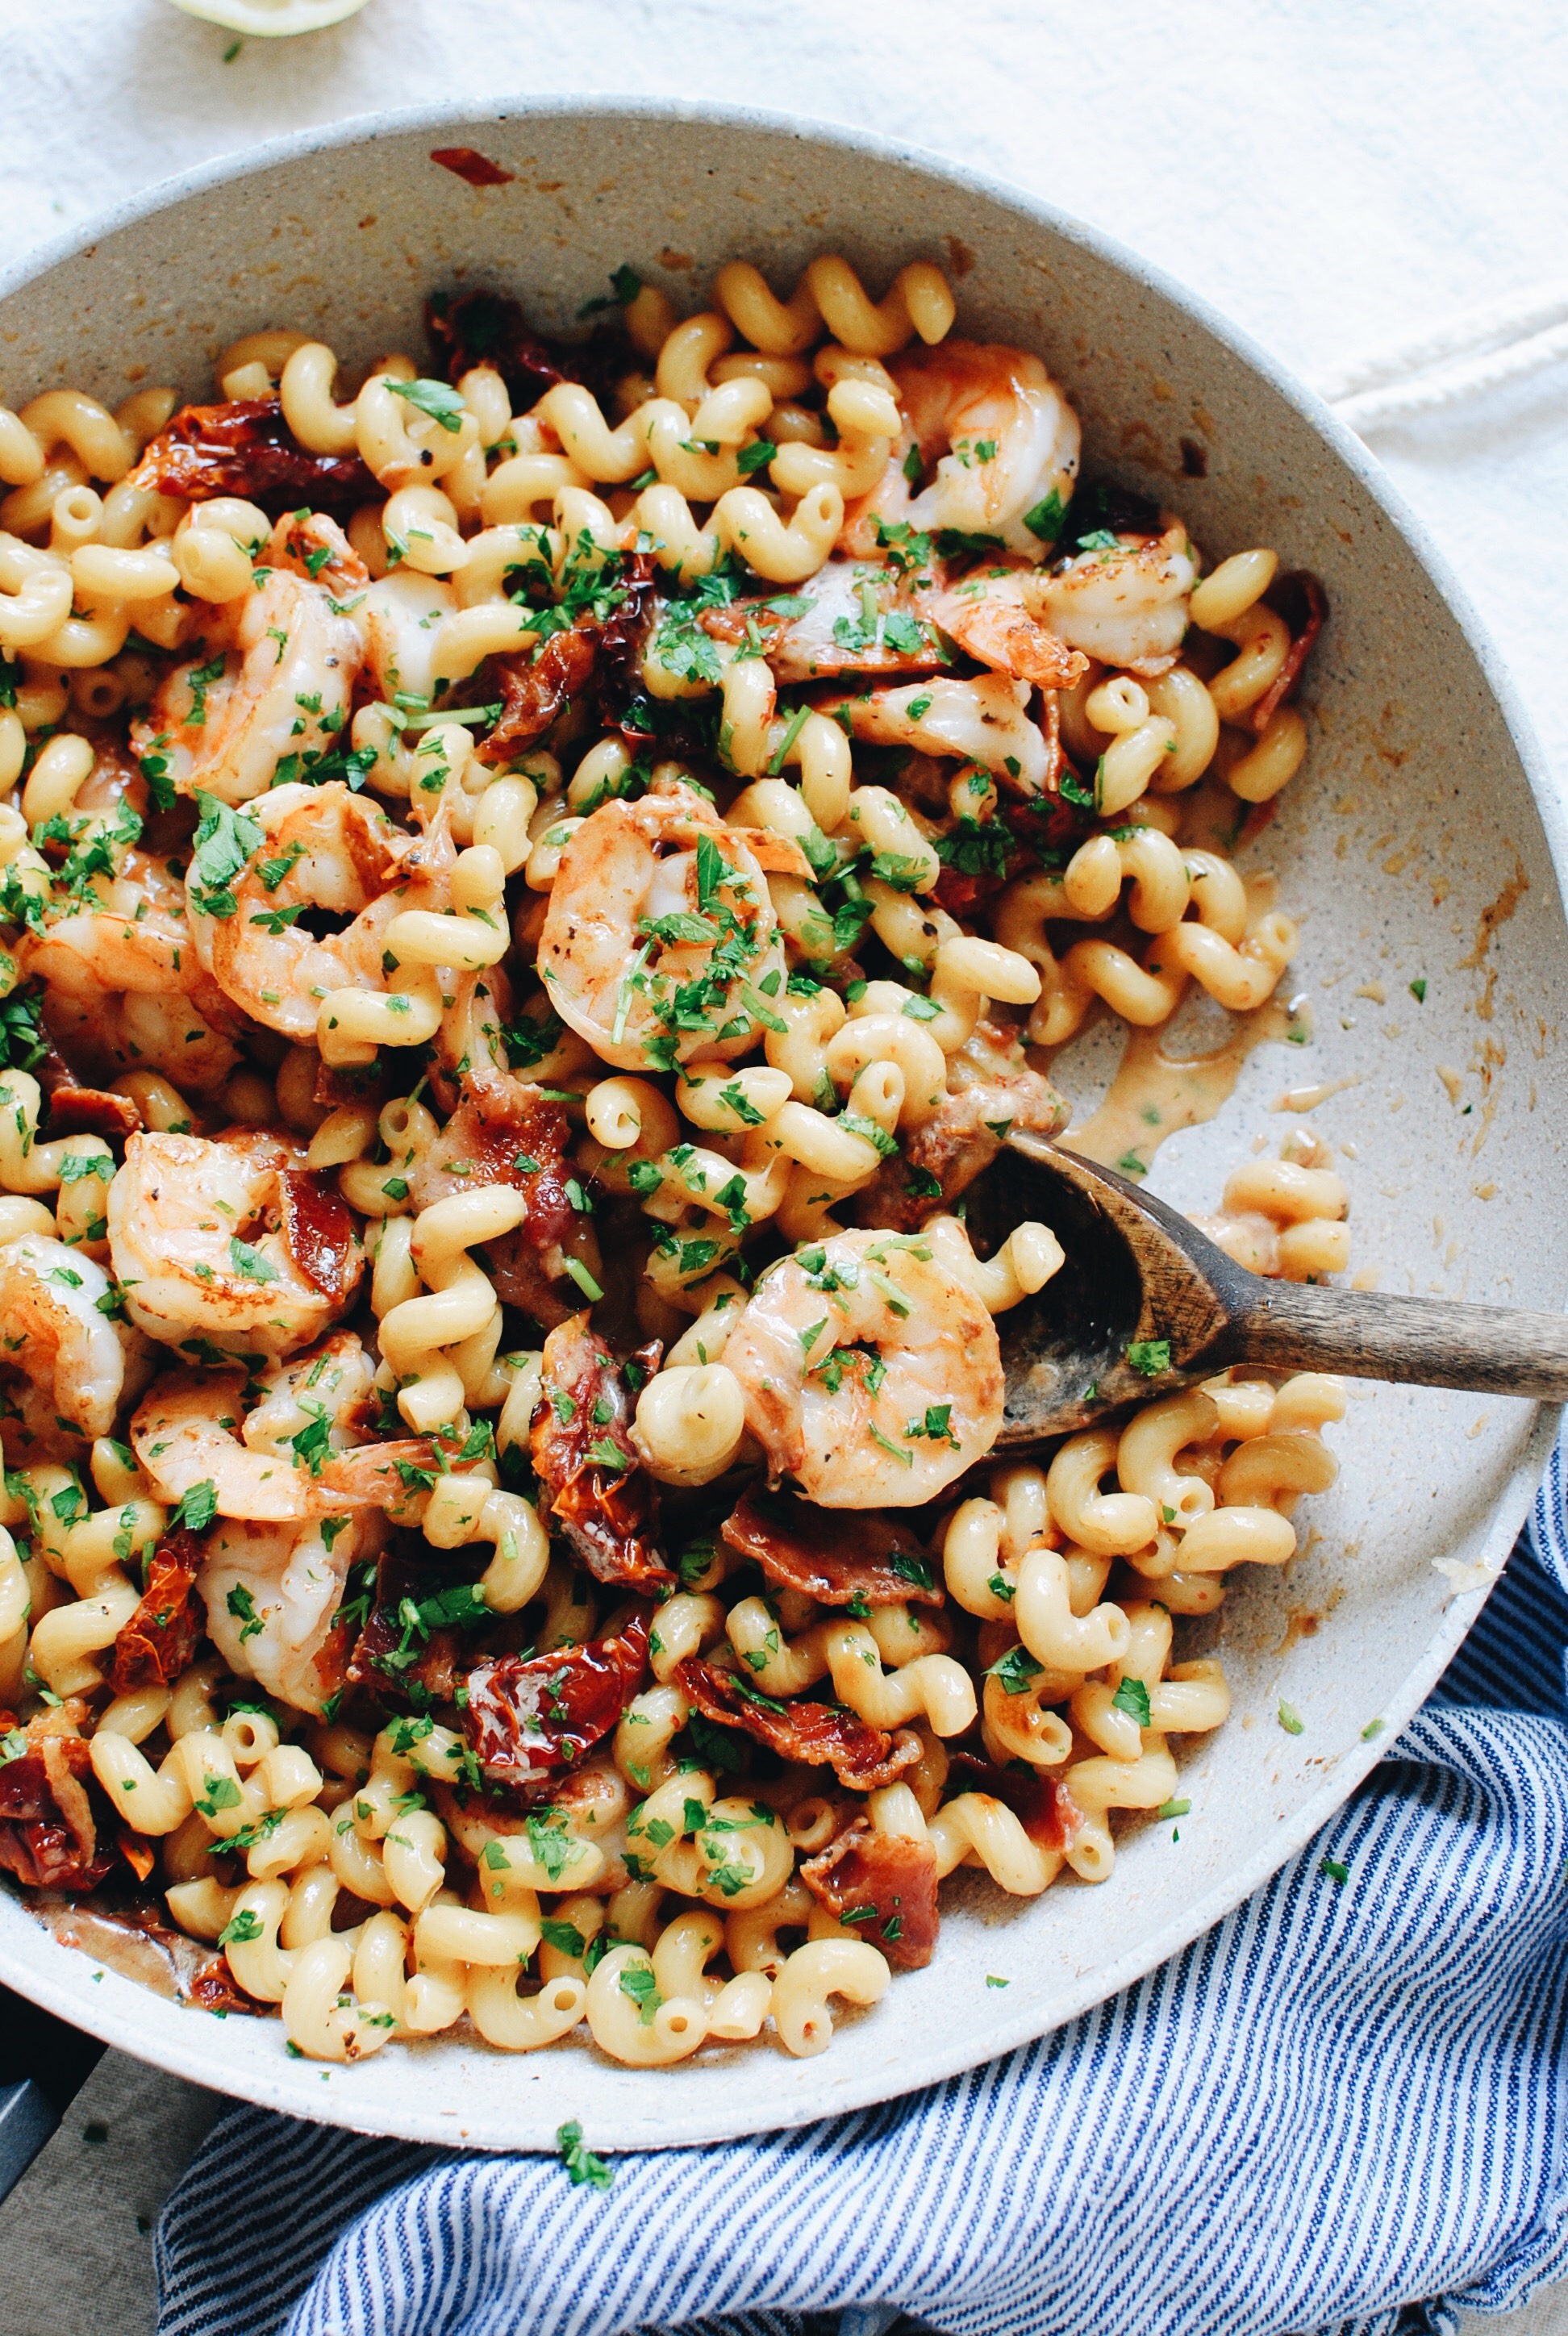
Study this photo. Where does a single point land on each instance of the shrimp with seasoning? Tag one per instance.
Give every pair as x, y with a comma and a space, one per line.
660, 940
272, 1594
1002, 438
870, 1375
317, 849
55, 1331
272, 697
206, 1242
1124, 602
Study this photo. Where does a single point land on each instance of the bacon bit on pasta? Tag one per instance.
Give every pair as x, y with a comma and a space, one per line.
884, 1886
506, 1131
1302, 600
863, 1759
245, 448
160, 1639
467, 163
833, 1555
318, 1230
1041, 1803
48, 1833
607, 1505
528, 1719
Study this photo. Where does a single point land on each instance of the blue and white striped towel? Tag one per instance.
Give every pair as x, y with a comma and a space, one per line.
1343, 2098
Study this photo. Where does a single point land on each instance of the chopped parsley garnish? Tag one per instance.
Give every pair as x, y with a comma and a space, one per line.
581, 2164
1151, 1356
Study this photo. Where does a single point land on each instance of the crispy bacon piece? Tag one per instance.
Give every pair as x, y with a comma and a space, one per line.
319, 1230
527, 1720
396, 1651
833, 1555
474, 328
160, 1639
534, 686
48, 1833
477, 169
863, 1759
1041, 1802
508, 1133
991, 1090
1303, 602
884, 1886
245, 448
608, 1510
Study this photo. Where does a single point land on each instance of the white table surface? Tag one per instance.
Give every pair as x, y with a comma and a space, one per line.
1337, 177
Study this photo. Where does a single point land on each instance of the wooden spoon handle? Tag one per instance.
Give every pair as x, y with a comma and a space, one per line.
1421, 1341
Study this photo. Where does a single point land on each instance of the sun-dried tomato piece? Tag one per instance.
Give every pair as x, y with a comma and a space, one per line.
412, 1644
617, 670
833, 1555
534, 685
245, 447
476, 170
863, 1759
319, 1230
1303, 602
160, 1639
883, 1885
48, 1831
137, 1850
584, 1458
507, 1133
1041, 1802
92, 1110
474, 328
528, 1719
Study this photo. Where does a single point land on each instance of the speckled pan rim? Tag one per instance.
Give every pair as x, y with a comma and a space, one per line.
204, 2064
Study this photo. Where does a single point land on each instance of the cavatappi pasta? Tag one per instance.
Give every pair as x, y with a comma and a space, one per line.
533, 880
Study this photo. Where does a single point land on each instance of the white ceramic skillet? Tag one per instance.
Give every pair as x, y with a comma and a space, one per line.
1417, 846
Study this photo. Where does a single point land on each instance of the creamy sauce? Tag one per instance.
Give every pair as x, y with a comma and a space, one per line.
1155, 1094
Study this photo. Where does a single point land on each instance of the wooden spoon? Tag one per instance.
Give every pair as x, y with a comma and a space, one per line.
1146, 1304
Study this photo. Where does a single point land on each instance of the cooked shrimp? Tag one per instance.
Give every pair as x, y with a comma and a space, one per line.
1126, 606
199, 1233
985, 721
277, 690
1003, 438
185, 1036
991, 615
870, 1375
54, 1330
400, 616
271, 1592
660, 940
268, 1466
323, 848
